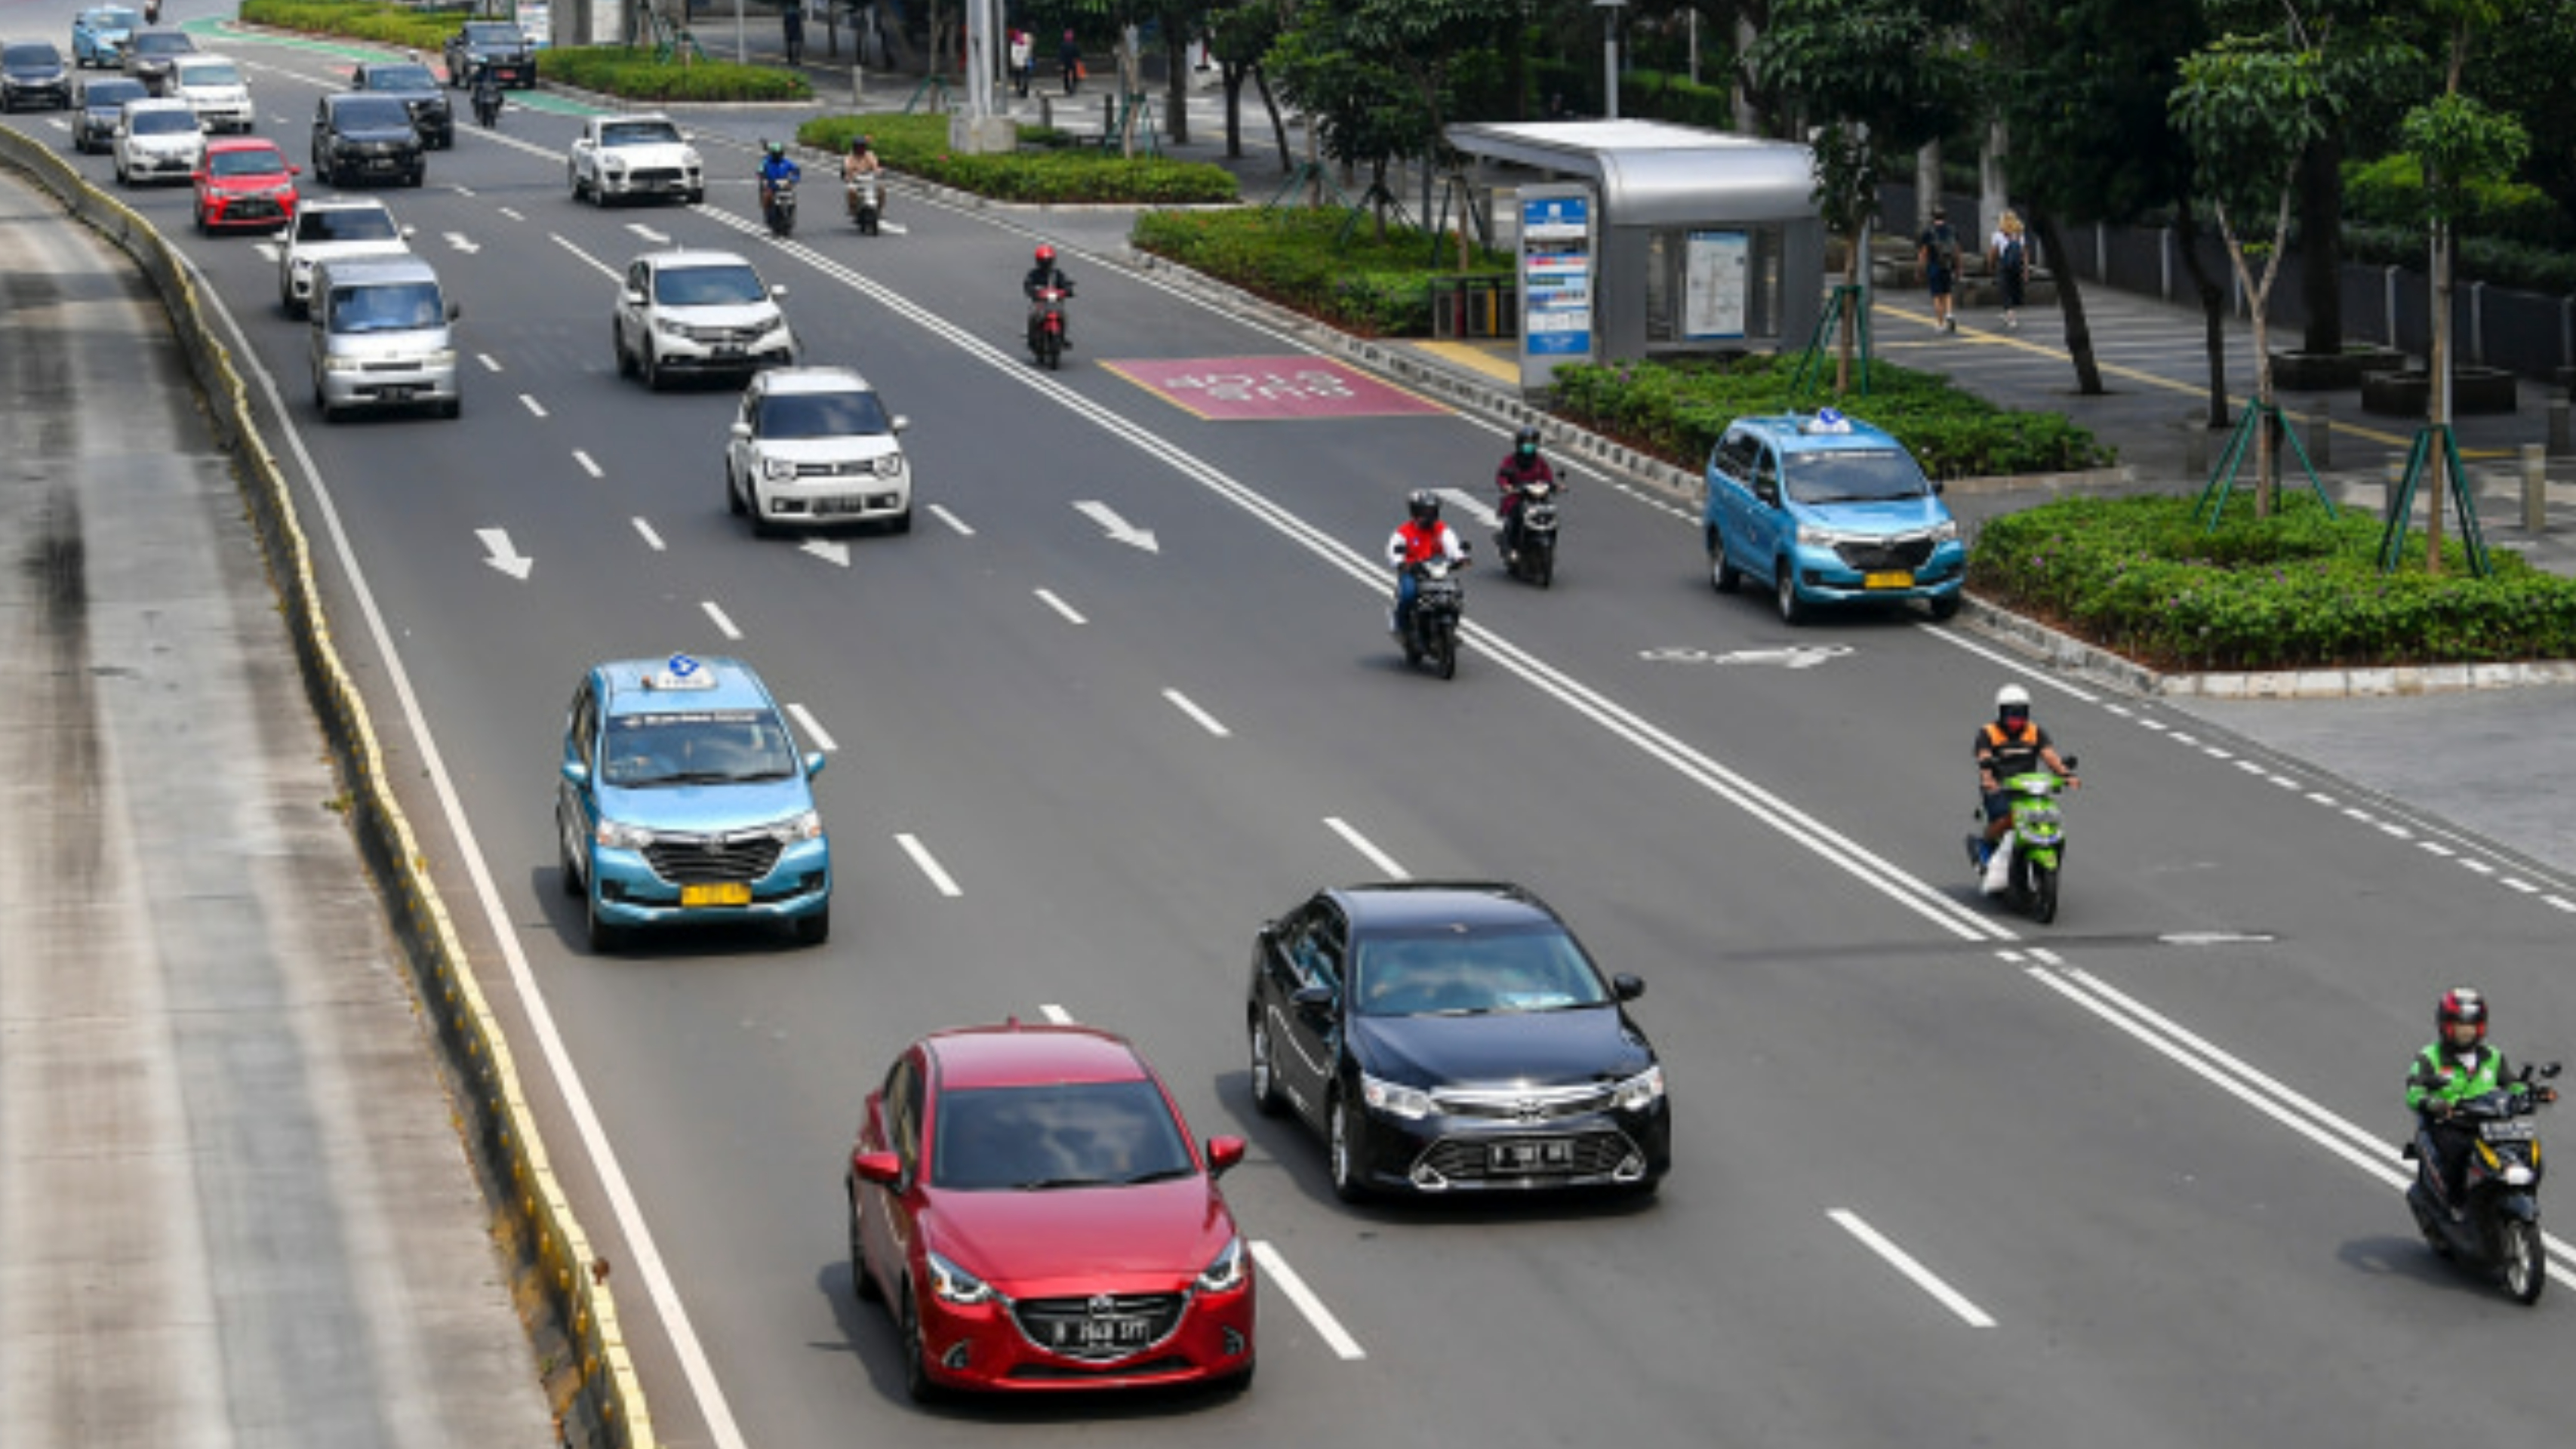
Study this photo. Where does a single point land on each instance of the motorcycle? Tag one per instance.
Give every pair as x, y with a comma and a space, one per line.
487, 106
1528, 536
866, 201
1430, 632
2032, 853
778, 206
2495, 1227
1046, 328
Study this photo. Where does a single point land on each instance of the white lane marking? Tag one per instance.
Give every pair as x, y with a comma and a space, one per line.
461, 191
2042, 953
490, 364
650, 537
822, 740
722, 623
1118, 529
2213, 938
587, 466
2322, 798
58, 123
1055, 1013
603, 268
1384, 862
268, 251
2020, 668
458, 240
1285, 1279
648, 1263
2285, 782
2121, 710
533, 405
1060, 606
952, 520
648, 233
2524, 886
2561, 903
2434, 847
512, 215
1903, 1262
2480, 866
2354, 813
1473, 506
1206, 721
2399, 831
2152, 723
830, 551
501, 554
2178, 737
930, 867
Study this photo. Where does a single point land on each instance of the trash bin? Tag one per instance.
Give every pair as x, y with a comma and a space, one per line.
1473, 306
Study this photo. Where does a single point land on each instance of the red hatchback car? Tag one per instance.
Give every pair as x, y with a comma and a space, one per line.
1033, 1210
245, 182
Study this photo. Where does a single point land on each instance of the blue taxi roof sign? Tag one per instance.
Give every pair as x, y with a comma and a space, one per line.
681, 672
1829, 420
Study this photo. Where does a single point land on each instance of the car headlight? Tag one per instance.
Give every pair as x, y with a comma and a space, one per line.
890, 466
955, 1285
444, 357
1816, 535
669, 328
773, 324
1640, 1091
337, 363
807, 826
1411, 1103
690, 160
1946, 531
777, 470
611, 835
1226, 1272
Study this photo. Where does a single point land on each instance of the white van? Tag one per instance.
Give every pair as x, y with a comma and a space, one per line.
212, 86
382, 335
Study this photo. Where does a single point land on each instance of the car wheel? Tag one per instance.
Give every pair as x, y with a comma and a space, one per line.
1945, 607
862, 1281
617, 346
1265, 1074
202, 228
1234, 1383
652, 368
417, 177
815, 929
1723, 575
566, 874
572, 177
1342, 1153
605, 935
733, 494
916, 1373
1793, 610
452, 408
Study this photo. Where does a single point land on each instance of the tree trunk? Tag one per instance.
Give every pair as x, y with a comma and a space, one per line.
2437, 393
1278, 124
1927, 188
2213, 310
1847, 335
1232, 74
1993, 196
1176, 89
2321, 242
2070, 304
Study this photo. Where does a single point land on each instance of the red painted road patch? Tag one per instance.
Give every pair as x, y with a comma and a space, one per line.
1264, 389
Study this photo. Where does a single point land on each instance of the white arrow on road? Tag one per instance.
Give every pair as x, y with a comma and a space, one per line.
457, 240
648, 233
500, 554
1473, 506
828, 551
1119, 529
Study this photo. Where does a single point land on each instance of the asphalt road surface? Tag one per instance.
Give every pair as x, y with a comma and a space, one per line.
1942, 1176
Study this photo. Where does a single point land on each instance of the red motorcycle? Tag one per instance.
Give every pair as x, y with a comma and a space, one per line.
1046, 326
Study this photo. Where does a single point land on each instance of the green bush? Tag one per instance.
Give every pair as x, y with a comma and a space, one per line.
420, 29
1294, 256
2294, 591
1677, 410
1059, 170
619, 70
2389, 192
2484, 259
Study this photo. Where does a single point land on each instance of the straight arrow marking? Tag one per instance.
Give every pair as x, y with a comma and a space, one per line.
500, 554
1118, 529
828, 551
457, 240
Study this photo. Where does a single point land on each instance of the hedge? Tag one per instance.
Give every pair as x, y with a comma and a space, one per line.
2296, 591
1677, 410
1058, 170
2389, 192
1294, 256
418, 29
633, 73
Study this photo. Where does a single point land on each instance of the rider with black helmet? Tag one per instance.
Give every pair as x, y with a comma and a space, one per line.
1043, 273
1521, 466
2456, 1066
1419, 539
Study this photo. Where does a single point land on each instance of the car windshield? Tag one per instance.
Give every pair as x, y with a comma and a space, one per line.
500, 35
259, 161
734, 285
108, 95
31, 55
108, 19
1078, 1134
217, 73
361, 224
371, 115
1448, 972
696, 747
820, 415
640, 133
162, 42
400, 78
160, 123
385, 307
1854, 475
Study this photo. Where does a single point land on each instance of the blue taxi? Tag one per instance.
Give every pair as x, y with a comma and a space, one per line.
1825, 510
683, 800
99, 35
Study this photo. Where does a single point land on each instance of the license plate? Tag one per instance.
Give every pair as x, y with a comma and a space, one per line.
2511, 1129
729, 893
828, 506
1545, 1154
1896, 579
726, 349
1124, 1331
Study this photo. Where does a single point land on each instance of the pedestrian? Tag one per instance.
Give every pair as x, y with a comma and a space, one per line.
2009, 254
791, 19
1024, 58
1068, 54
1938, 250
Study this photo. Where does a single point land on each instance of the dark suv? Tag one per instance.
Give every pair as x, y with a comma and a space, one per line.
150, 55
360, 138
413, 84
499, 44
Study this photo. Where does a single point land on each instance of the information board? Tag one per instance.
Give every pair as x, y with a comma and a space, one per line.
1717, 281
1557, 262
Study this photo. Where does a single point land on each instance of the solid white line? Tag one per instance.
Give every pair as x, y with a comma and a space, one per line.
929, 867
603, 268
1061, 607
1903, 1262
1286, 1280
489, 363
1361, 843
952, 520
650, 536
1055, 1013
2018, 665
533, 405
722, 623
822, 740
1206, 721
587, 466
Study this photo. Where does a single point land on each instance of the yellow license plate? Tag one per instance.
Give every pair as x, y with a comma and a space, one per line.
1900, 579
729, 894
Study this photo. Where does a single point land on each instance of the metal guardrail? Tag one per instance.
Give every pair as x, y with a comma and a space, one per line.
596, 1393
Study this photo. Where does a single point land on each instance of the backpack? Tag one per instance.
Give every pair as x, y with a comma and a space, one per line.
2012, 255
1945, 248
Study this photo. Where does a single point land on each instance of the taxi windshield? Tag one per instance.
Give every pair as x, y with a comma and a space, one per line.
1854, 475
695, 747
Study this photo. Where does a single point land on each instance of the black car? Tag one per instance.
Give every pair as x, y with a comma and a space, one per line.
1454, 1037
497, 43
359, 138
32, 73
95, 109
413, 84
150, 54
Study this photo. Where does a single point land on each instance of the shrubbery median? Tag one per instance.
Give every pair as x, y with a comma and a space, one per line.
1058, 172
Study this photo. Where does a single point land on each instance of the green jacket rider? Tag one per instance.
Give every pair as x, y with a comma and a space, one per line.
2459, 1065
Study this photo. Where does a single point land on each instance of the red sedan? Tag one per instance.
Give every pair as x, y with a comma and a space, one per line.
245, 182
1031, 1207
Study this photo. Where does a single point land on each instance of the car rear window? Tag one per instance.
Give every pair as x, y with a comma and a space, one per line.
110, 94
695, 747
162, 42
1088, 1134
1447, 972
401, 78
821, 415
1854, 475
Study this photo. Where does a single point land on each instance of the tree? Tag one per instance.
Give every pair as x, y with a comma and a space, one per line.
1242, 34
1358, 109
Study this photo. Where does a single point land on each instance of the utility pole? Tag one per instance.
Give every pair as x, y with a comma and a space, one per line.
1609, 54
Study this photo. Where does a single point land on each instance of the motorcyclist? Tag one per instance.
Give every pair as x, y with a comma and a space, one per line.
863, 161
1044, 273
1521, 467
487, 92
776, 166
2454, 1067
2012, 744
1419, 539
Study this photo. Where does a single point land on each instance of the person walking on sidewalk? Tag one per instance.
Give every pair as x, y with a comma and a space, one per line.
1938, 250
1024, 58
791, 20
1068, 56
2008, 252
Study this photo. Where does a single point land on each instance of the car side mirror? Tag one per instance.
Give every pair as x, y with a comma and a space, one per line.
1936, 487
778, 289
631, 297
294, 170
576, 772
454, 311
1313, 998
409, 232
741, 432
1629, 988
882, 1168
815, 762
900, 422
1222, 1154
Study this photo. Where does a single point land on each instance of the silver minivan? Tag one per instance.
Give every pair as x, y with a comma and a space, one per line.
383, 335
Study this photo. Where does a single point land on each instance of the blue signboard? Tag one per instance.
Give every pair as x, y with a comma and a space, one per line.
1556, 279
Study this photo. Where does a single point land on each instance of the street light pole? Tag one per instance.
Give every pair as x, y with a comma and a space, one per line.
1610, 54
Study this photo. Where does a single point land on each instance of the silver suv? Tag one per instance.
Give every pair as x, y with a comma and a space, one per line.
684, 311
813, 445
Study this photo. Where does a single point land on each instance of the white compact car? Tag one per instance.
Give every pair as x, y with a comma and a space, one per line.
684, 311
813, 445
328, 230
212, 85
157, 140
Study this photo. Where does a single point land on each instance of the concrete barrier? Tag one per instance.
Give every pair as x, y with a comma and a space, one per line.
594, 1388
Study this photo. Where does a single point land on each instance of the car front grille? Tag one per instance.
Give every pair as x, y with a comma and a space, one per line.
852, 468
256, 208
725, 336
1880, 554
1515, 1104
1102, 1327
712, 859
1464, 1161
653, 176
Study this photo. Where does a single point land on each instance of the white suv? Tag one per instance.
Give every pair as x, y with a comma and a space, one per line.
212, 86
684, 311
157, 140
814, 445
324, 230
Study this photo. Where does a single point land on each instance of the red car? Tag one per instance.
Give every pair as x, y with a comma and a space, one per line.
1033, 1210
245, 182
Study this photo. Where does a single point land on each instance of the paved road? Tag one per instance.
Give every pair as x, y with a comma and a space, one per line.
2147, 1154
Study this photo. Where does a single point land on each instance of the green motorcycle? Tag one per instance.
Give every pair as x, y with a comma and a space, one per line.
2037, 842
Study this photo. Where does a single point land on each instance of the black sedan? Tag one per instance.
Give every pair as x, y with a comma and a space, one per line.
150, 55
1454, 1038
498, 44
32, 74
360, 138
416, 86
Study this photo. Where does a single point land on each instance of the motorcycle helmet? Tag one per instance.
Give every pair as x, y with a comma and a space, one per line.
2461, 1006
2012, 704
774, 148
1046, 255
1525, 442
1424, 505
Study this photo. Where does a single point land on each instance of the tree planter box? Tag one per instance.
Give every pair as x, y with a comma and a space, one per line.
2409, 394
2332, 371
